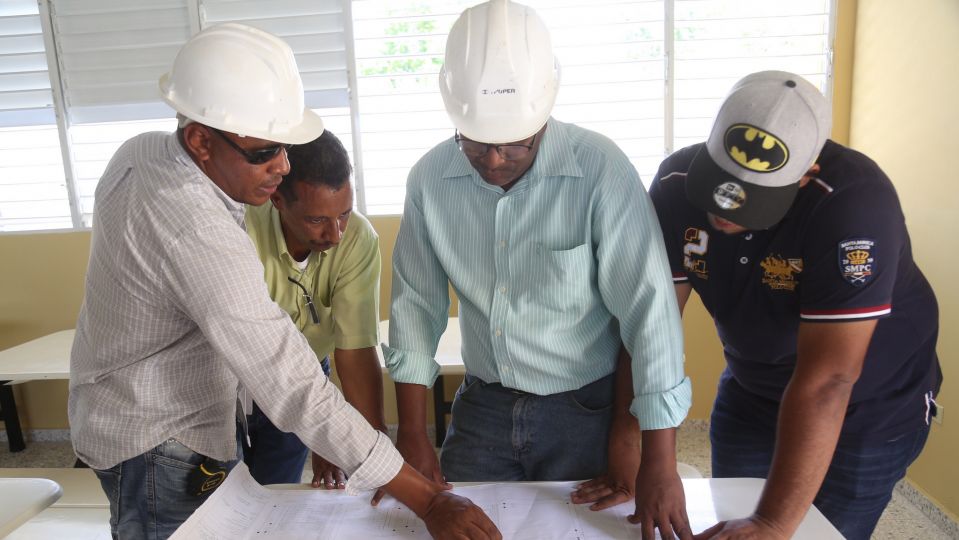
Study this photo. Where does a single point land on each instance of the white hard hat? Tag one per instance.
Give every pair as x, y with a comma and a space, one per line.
243, 80
500, 78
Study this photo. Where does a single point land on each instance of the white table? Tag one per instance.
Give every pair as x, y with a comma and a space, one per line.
23, 498
708, 501
47, 357
80, 487
450, 358
44, 358
733, 498
82, 513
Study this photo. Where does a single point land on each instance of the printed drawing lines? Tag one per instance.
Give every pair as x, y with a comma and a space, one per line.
533, 512
397, 521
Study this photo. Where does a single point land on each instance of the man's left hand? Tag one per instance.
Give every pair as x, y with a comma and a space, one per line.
753, 527
616, 486
660, 504
326, 475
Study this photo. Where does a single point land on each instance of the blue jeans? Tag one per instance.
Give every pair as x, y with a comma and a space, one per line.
500, 434
860, 478
148, 494
275, 457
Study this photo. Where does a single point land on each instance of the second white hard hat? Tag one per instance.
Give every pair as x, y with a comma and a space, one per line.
500, 78
243, 80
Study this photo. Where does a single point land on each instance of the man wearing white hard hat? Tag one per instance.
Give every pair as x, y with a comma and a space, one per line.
552, 246
176, 313
798, 248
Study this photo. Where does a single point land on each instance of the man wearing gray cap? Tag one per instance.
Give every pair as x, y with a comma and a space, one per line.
798, 248
176, 312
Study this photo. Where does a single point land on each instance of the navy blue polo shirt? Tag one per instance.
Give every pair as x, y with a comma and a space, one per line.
841, 253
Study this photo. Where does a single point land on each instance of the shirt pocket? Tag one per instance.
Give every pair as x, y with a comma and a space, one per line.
317, 332
562, 279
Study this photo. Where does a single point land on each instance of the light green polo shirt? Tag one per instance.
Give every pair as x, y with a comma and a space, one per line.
344, 281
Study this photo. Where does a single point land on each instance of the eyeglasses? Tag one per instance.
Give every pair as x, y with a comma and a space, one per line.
510, 152
254, 157
308, 299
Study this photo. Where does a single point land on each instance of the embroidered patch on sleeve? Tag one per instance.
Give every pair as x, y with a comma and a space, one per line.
694, 252
856, 261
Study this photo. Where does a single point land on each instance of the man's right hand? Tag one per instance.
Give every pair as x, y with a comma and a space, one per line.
446, 515
421, 455
452, 516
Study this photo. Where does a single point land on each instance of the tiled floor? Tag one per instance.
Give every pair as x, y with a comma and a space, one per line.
902, 520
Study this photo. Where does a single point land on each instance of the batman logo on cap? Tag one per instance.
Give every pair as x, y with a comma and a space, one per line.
755, 149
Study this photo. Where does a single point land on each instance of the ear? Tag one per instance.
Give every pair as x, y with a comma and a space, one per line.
810, 174
197, 141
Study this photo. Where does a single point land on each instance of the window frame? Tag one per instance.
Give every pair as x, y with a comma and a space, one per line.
63, 123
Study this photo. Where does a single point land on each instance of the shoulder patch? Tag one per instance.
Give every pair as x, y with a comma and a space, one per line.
857, 262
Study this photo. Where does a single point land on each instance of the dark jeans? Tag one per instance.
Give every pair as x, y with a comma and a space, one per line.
275, 457
499, 434
148, 494
861, 476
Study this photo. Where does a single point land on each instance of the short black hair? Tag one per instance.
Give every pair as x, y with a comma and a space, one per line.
322, 161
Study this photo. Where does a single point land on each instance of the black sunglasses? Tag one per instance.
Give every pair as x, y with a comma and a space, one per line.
254, 157
510, 152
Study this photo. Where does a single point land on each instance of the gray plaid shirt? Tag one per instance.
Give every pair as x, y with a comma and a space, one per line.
176, 314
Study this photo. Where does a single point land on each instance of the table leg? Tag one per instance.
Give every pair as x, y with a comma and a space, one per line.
8, 408
441, 408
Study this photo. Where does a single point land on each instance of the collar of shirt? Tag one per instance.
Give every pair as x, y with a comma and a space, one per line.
556, 157
180, 155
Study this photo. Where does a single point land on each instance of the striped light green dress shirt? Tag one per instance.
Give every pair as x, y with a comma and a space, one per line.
550, 275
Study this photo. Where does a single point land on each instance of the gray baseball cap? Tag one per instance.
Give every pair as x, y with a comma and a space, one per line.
769, 131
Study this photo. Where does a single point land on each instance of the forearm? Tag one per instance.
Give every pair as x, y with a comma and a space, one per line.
362, 382
829, 361
625, 427
659, 449
411, 407
642, 301
412, 489
810, 420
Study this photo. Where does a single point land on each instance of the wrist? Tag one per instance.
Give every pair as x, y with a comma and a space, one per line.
410, 431
659, 447
413, 489
775, 527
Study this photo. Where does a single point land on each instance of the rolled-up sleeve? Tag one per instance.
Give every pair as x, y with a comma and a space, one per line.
420, 301
637, 288
662, 410
380, 466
